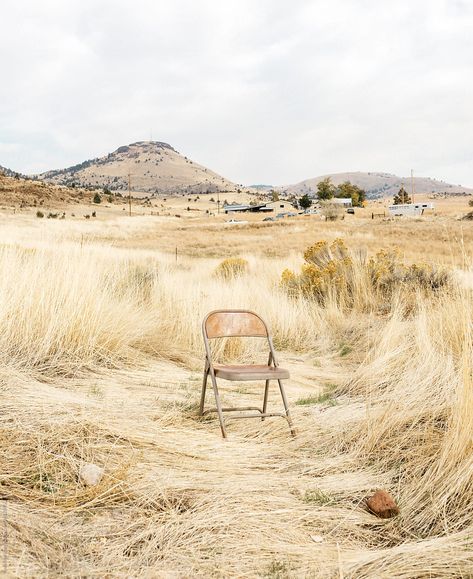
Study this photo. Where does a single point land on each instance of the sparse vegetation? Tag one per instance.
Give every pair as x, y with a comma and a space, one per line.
317, 497
314, 399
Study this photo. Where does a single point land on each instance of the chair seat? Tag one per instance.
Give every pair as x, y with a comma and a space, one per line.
250, 372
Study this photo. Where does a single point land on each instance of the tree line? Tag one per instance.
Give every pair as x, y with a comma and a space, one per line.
326, 190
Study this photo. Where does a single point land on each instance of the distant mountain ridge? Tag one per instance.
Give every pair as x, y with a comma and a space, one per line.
379, 184
154, 167
9, 172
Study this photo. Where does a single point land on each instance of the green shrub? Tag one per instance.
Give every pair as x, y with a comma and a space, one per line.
314, 399
317, 497
39, 214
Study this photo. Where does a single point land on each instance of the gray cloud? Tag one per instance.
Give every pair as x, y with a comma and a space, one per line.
262, 92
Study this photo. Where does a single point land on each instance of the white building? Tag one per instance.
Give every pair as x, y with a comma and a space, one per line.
409, 209
343, 201
268, 207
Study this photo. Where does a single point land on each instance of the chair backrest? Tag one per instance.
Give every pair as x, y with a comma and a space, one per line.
234, 323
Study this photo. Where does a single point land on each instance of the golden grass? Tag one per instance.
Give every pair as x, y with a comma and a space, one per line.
100, 362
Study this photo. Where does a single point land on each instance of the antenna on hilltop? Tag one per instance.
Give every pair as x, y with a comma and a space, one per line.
151, 135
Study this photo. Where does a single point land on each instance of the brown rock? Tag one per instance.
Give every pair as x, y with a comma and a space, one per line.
382, 505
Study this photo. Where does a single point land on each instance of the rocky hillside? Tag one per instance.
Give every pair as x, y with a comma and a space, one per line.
379, 185
155, 167
9, 173
18, 192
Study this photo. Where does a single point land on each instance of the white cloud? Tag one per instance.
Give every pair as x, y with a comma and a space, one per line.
259, 91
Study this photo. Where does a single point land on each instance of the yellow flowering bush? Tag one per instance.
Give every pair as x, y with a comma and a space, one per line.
332, 271
327, 268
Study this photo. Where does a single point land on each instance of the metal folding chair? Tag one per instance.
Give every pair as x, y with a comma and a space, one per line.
240, 323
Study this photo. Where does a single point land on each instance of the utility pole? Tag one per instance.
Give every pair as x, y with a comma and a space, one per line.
129, 194
218, 202
412, 185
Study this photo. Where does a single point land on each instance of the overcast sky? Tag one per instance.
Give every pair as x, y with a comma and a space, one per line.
261, 91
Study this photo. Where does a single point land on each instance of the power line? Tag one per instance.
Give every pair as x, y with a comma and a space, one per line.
129, 193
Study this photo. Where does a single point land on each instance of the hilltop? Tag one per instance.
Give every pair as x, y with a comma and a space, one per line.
155, 167
379, 184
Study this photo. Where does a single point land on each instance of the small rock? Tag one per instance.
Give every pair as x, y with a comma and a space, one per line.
90, 474
382, 505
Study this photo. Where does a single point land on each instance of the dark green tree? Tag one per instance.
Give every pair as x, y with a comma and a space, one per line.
325, 189
97, 198
402, 197
305, 201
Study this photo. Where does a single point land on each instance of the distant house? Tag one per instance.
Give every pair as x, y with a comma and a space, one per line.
343, 201
409, 209
279, 206
263, 208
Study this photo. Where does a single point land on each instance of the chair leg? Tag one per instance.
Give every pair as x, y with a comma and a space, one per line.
286, 408
219, 406
204, 388
265, 401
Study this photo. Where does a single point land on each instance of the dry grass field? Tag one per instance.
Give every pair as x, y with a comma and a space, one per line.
101, 359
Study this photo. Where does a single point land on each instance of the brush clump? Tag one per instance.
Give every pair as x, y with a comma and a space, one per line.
231, 268
332, 273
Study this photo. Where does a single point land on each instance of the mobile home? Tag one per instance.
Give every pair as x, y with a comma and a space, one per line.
409, 209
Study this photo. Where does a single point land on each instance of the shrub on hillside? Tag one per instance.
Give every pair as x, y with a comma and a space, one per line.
231, 268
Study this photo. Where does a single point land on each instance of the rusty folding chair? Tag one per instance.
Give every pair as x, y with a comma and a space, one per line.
240, 323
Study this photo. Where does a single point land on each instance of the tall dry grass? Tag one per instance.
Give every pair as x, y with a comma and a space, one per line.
83, 306
174, 500
417, 380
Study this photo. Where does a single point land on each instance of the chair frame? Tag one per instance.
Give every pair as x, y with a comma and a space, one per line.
210, 371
